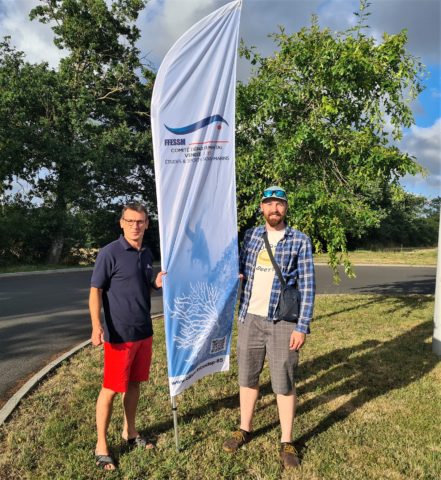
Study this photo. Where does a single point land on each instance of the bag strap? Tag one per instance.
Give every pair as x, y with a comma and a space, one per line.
273, 261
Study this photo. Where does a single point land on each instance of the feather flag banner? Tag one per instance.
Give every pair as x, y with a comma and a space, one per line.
193, 109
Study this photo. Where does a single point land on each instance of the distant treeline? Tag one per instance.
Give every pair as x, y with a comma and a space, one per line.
26, 231
26, 234
414, 222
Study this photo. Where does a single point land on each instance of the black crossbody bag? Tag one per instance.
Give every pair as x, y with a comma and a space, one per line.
289, 303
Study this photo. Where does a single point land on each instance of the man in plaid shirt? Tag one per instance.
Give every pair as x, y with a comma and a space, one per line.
261, 333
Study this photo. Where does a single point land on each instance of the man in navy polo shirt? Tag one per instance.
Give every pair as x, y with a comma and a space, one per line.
121, 283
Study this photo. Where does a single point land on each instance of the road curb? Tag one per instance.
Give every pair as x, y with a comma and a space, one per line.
18, 396
46, 272
58, 270
13, 402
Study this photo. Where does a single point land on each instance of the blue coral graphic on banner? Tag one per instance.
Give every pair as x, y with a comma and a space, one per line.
203, 313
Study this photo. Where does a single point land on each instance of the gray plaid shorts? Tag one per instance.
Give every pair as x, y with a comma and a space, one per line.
258, 337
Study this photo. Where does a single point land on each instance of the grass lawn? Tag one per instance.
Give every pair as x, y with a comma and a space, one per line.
369, 408
417, 256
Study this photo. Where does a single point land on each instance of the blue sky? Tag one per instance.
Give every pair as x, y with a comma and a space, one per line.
430, 99
163, 21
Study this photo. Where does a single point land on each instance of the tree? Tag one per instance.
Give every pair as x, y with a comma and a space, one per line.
411, 221
89, 141
25, 98
315, 117
25, 228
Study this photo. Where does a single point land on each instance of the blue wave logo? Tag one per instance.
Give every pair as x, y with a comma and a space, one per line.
196, 126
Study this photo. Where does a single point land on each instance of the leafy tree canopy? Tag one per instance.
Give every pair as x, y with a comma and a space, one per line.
320, 117
80, 135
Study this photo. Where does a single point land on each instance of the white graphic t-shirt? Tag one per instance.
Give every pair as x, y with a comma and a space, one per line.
264, 276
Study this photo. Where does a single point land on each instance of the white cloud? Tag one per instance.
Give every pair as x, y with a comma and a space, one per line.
425, 145
429, 187
435, 92
33, 38
338, 14
163, 22
422, 20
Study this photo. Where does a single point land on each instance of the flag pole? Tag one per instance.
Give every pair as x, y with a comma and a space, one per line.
436, 341
175, 421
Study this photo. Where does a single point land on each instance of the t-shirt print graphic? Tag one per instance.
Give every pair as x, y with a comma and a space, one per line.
263, 263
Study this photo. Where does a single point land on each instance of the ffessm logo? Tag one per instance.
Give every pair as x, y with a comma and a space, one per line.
174, 141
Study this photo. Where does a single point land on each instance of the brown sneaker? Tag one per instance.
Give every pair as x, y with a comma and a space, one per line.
237, 439
289, 455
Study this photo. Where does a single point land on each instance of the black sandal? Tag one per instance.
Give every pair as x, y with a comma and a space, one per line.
140, 442
102, 461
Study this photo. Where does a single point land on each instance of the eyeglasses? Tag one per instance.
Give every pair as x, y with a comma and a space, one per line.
130, 223
274, 193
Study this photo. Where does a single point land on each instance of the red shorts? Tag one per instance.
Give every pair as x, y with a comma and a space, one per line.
126, 362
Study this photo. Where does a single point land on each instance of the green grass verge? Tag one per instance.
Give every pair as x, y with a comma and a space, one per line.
369, 408
418, 256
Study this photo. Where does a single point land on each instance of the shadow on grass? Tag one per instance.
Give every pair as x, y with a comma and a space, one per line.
210, 408
376, 369
405, 302
372, 368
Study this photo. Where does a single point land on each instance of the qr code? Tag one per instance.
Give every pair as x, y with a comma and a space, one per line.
218, 345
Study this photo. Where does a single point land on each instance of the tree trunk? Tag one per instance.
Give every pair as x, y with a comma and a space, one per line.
55, 250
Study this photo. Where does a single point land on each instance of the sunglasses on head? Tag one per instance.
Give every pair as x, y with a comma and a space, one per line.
274, 193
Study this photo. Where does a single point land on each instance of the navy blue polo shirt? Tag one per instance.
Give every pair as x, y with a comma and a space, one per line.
124, 274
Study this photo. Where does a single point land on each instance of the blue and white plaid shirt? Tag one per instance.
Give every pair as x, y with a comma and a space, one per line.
293, 254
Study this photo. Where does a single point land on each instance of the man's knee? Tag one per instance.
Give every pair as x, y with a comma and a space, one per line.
287, 397
107, 393
291, 393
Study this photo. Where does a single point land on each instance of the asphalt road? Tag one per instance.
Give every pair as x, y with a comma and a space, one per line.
41, 317
44, 315
385, 280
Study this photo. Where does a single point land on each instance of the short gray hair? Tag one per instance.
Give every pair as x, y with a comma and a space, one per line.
137, 207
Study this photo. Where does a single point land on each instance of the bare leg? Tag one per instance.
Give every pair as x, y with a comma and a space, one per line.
286, 405
103, 414
248, 398
130, 402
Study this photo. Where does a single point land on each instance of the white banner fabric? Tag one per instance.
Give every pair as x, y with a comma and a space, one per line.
193, 108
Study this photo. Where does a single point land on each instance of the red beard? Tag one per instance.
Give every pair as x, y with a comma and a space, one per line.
274, 219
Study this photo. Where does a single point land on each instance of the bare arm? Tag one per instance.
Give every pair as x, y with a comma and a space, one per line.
95, 304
